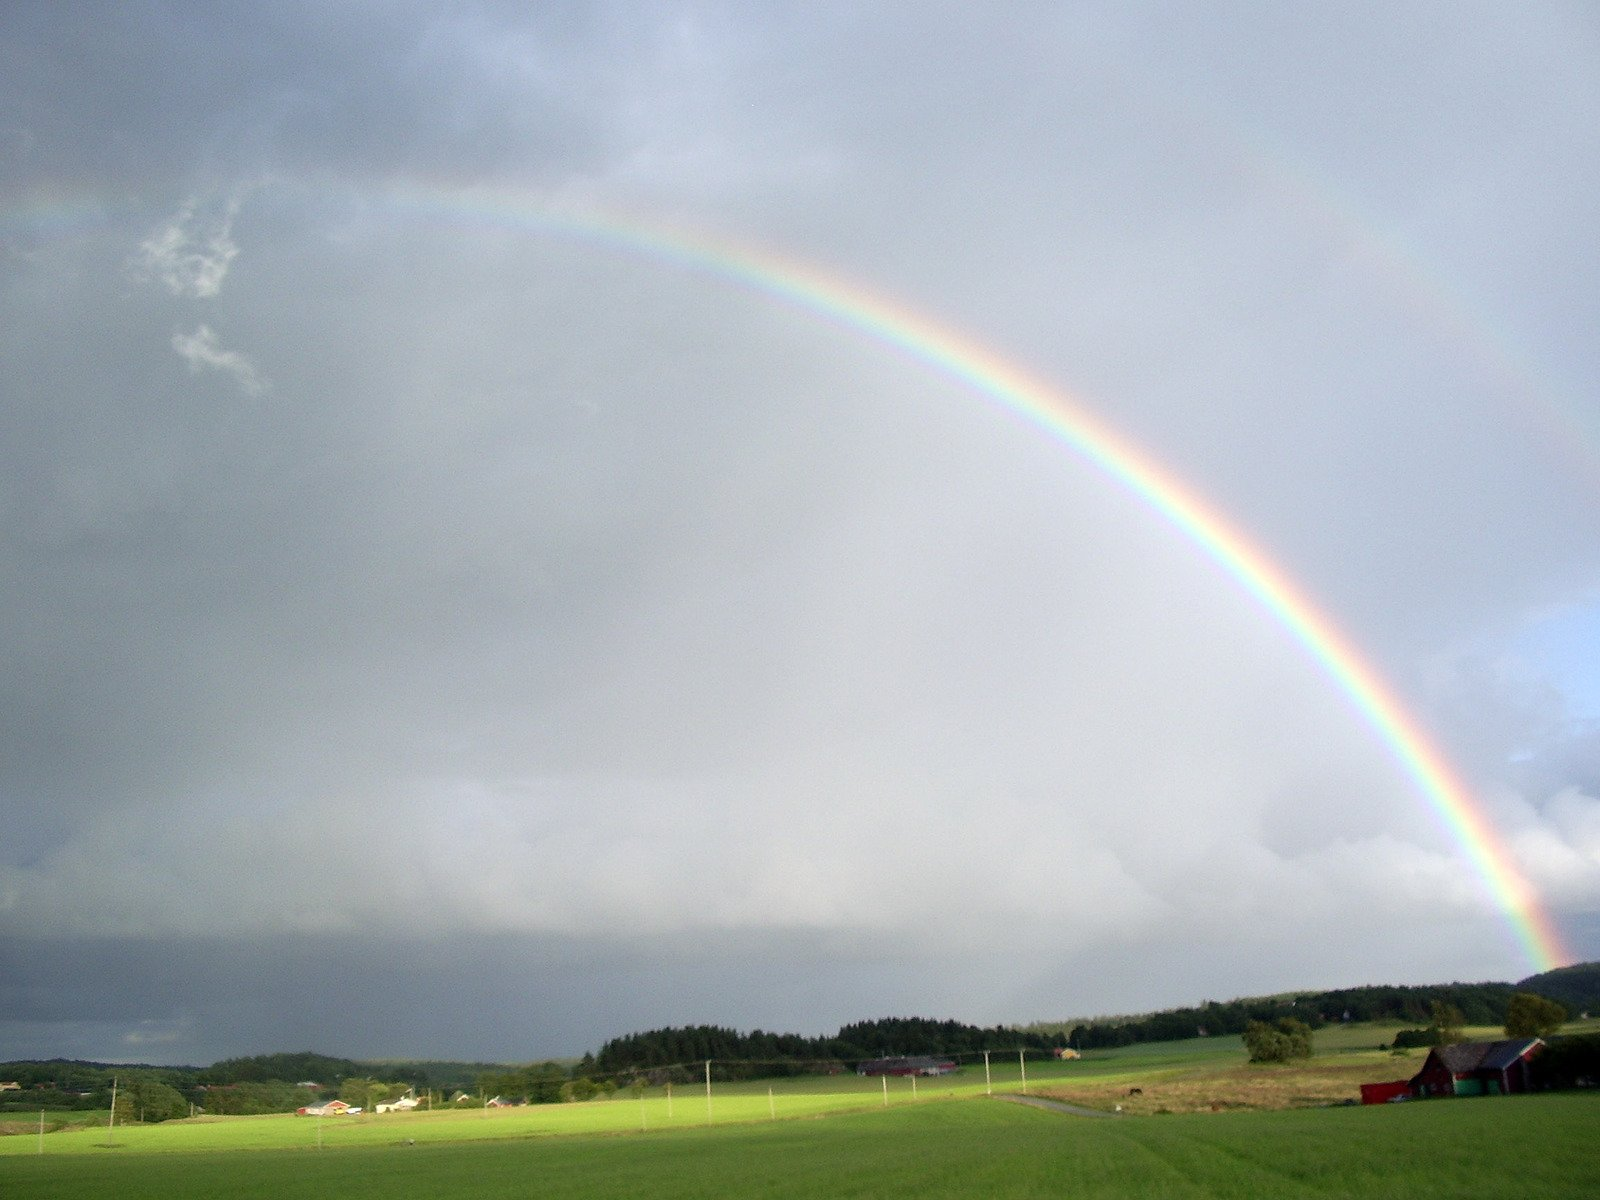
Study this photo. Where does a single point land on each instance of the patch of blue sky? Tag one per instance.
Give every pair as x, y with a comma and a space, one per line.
1564, 646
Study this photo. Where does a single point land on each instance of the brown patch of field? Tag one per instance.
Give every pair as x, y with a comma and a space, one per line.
12, 1128
1248, 1086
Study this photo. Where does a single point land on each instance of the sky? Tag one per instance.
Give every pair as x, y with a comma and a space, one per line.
440, 619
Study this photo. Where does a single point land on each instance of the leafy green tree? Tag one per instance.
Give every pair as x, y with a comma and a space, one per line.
1280, 1041
580, 1089
361, 1092
1447, 1020
1568, 1062
1410, 1039
245, 1099
152, 1100
122, 1109
1528, 1015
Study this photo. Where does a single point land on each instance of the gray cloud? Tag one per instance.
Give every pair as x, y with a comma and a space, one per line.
590, 627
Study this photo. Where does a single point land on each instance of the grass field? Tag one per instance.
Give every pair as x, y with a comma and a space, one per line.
835, 1136
1524, 1146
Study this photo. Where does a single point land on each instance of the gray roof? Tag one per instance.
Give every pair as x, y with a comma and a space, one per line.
1463, 1058
1501, 1055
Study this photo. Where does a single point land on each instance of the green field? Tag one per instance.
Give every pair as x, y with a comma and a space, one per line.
836, 1136
1523, 1146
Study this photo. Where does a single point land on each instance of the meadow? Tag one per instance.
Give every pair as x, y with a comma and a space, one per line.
1525, 1146
1215, 1127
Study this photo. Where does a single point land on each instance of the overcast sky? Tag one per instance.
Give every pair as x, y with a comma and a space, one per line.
425, 633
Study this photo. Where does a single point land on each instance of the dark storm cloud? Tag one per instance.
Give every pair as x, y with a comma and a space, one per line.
147, 94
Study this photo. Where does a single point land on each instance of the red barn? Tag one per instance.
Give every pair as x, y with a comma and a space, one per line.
1476, 1068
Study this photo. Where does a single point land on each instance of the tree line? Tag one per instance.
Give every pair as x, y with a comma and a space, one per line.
676, 1054
1479, 1003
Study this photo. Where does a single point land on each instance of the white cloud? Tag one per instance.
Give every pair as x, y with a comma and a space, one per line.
1559, 848
191, 253
203, 350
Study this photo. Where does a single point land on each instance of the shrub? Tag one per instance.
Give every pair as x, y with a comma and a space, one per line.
1281, 1041
1410, 1039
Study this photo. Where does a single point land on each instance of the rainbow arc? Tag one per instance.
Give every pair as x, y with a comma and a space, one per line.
1058, 415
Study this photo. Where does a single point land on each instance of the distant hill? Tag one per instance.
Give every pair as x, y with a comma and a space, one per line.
1576, 987
284, 1068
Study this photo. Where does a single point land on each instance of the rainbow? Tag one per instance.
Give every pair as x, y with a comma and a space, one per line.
945, 351
848, 305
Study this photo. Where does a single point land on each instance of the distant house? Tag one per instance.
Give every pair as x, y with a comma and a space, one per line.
405, 1104
10, 1085
1069, 1052
497, 1102
1476, 1069
906, 1065
329, 1108
460, 1098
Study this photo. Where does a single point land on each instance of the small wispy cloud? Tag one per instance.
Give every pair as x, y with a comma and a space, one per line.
191, 253
202, 350
149, 1035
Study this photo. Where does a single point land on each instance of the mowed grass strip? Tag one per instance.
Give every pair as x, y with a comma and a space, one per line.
1533, 1146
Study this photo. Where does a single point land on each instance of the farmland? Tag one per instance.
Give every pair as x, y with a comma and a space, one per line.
843, 1135
1528, 1146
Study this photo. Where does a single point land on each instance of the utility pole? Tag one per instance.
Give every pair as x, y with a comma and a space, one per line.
708, 1091
988, 1082
111, 1120
1023, 1064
